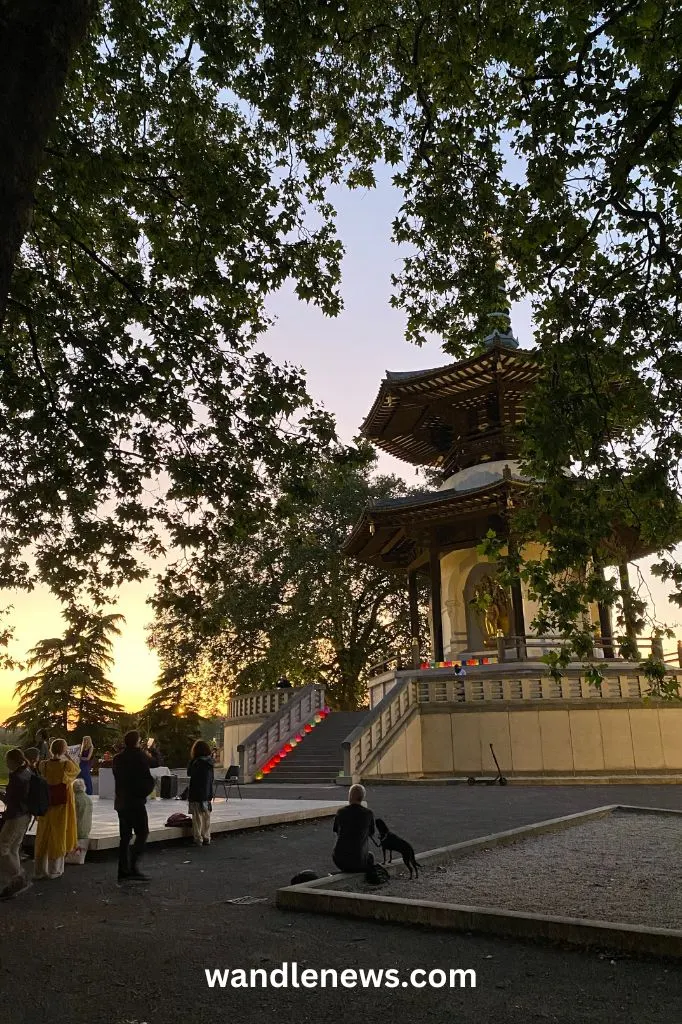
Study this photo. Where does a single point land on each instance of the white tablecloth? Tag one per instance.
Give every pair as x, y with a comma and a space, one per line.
107, 789
106, 784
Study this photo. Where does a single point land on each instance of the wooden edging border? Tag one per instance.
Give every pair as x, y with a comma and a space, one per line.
318, 897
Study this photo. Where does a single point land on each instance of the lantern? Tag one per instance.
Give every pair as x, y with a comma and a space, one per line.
307, 728
259, 776
299, 737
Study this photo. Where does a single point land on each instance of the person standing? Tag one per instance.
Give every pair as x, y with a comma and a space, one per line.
87, 756
56, 833
43, 744
200, 796
16, 820
134, 782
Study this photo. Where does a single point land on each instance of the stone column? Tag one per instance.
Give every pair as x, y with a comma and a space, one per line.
436, 605
629, 614
413, 598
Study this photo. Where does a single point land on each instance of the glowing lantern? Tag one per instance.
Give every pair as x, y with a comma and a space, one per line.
299, 738
317, 719
288, 747
276, 758
307, 728
259, 776
266, 770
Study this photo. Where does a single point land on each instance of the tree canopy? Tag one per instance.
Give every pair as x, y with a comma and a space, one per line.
286, 601
183, 178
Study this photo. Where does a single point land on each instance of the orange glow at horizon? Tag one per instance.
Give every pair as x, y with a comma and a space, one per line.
36, 616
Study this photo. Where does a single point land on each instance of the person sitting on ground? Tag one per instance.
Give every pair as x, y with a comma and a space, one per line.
460, 671
200, 774
353, 825
15, 821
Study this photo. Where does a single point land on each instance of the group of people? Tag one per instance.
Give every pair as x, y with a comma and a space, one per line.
59, 777
45, 781
65, 822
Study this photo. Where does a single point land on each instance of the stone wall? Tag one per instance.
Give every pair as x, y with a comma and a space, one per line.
564, 738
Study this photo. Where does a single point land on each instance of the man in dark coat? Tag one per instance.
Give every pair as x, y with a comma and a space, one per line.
134, 783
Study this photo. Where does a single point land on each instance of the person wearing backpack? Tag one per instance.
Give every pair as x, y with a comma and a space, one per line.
16, 819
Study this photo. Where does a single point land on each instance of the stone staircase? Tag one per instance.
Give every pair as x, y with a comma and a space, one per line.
319, 757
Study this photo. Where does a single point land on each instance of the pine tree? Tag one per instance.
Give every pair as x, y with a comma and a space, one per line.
70, 689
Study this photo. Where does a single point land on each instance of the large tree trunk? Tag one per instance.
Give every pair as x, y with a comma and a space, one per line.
38, 39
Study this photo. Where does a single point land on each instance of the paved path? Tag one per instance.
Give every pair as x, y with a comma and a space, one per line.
83, 951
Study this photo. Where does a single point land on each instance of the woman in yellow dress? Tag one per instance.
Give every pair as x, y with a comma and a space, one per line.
56, 833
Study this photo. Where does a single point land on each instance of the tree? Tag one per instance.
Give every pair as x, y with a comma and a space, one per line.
285, 600
540, 141
70, 691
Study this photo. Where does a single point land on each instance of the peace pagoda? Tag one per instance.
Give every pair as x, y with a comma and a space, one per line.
428, 718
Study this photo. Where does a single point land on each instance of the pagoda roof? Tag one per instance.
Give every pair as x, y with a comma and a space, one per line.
392, 532
405, 419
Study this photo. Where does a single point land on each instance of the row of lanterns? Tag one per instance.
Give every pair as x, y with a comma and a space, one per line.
452, 664
293, 742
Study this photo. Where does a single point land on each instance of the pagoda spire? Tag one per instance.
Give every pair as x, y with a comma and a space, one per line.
501, 332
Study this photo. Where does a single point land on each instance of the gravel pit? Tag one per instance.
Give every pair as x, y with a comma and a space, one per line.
620, 868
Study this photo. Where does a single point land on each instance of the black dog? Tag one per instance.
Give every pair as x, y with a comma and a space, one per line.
391, 843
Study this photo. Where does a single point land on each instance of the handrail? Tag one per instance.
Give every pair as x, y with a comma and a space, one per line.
379, 724
278, 729
259, 703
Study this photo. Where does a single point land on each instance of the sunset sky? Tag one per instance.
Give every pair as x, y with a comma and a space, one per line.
345, 360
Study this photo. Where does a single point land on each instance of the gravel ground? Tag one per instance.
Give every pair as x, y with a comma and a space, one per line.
613, 869
83, 951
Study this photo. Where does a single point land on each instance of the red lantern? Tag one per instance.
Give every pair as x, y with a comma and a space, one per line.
265, 769
276, 758
299, 737
307, 728
288, 747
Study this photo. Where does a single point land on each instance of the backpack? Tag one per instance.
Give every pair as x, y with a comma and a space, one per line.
179, 820
376, 874
38, 799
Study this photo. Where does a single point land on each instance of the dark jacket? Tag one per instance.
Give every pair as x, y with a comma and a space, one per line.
16, 795
200, 772
134, 781
353, 824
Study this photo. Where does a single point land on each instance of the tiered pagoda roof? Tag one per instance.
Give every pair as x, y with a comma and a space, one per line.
457, 415
397, 533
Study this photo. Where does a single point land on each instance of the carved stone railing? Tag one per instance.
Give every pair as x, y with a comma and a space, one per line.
259, 704
513, 683
268, 739
380, 724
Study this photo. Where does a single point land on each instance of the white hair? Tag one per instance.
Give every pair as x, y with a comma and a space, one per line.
356, 794
79, 785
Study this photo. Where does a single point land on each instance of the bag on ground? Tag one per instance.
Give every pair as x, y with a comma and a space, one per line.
376, 874
179, 820
77, 855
